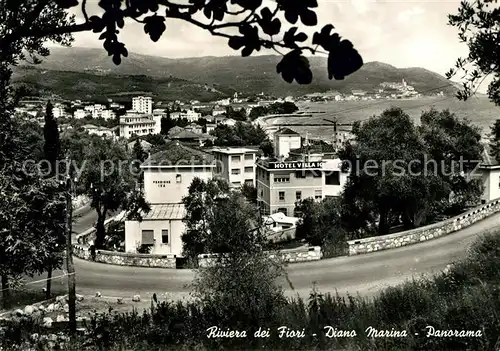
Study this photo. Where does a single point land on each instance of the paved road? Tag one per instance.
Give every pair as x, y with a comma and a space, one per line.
364, 274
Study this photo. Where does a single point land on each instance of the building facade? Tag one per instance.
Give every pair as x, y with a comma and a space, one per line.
134, 123
281, 184
167, 177
236, 165
286, 140
143, 104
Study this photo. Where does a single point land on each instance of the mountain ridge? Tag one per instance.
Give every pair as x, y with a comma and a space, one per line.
250, 75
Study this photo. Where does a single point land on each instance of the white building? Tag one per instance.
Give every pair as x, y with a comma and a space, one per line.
143, 104
108, 114
235, 165
80, 114
98, 130
190, 115
167, 177
286, 140
490, 176
137, 124
58, 111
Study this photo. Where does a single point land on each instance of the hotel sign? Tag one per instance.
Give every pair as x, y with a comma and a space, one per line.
296, 165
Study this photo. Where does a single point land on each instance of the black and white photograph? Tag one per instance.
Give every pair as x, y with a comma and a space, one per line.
249, 175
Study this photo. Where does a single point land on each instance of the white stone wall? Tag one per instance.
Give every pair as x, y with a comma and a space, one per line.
429, 232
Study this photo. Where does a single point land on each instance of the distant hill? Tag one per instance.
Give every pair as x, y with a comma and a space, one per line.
249, 75
99, 87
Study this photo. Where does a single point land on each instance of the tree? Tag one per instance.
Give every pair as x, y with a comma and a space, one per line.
138, 152
167, 123
495, 140
319, 222
108, 182
400, 173
267, 148
217, 220
258, 28
249, 192
477, 24
52, 152
31, 208
241, 288
238, 115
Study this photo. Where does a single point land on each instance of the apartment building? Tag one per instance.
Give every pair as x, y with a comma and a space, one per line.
143, 104
80, 114
134, 123
235, 165
167, 177
108, 114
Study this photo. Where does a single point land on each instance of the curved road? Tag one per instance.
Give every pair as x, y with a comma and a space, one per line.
363, 274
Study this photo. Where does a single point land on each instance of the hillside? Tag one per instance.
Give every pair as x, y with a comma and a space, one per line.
98, 87
246, 75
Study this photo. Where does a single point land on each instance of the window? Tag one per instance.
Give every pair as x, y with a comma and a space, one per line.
249, 182
236, 158
164, 236
298, 195
281, 179
249, 157
248, 169
332, 179
318, 194
281, 195
300, 174
148, 237
178, 178
235, 171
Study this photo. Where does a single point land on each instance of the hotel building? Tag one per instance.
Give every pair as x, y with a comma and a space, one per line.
134, 123
143, 104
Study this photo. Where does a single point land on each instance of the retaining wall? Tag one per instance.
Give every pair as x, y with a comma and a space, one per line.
294, 255
428, 232
126, 259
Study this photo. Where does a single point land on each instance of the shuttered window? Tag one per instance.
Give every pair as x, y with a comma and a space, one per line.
148, 237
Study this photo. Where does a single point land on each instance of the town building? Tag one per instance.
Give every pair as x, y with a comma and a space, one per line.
490, 176
190, 115
285, 140
108, 114
80, 114
143, 104
99, 130
134, 123
58, 111
235, 165
167, 177
211, 127
144, 144
280, 184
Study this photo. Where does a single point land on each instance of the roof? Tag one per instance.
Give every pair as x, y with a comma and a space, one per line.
144, 144
186, 134
488, 159
234, 150
286, 131
165, 211
175, 153
175, 130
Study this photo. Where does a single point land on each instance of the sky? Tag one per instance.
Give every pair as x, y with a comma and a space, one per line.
402, 33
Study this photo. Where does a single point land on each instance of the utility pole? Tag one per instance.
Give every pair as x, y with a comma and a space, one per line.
69, 255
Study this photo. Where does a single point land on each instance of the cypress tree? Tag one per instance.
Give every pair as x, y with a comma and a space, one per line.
52, 146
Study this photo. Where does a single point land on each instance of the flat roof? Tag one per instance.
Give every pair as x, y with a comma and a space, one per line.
234, 150
165, 212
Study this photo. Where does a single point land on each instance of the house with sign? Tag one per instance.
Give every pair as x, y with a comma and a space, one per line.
280, 184
167, 177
